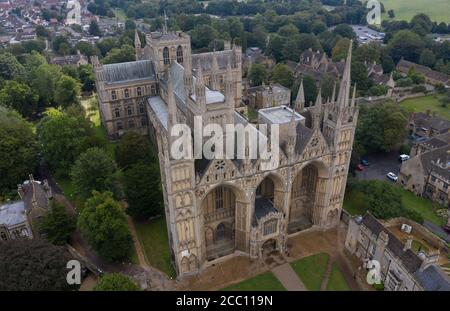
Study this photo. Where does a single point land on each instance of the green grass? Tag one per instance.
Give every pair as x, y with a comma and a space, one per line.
263, 282
422, 104
337, 281
416, 245
120, 14
354, 204
311, 270
252, 114
155, 242
437, 10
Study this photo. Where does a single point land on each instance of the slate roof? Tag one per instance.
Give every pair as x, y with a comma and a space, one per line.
428, 121
40, 194
206, 59
441, 154
433, 278
404, 66
130, 71
409, 259
12, 214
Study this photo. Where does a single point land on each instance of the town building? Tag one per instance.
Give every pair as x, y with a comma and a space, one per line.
431, 76
265, 96
401, 268
20, 219
219, 207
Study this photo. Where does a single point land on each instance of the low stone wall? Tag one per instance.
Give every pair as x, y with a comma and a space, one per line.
429, 237
414, 95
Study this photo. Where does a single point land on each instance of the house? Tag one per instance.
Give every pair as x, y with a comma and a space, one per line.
401, 269
20, 219
427, 124
265, 96
75, 60
431, 76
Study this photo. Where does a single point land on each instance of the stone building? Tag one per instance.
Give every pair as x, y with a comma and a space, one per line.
228, 206
431, 76
266, 96
20, 219
401, 268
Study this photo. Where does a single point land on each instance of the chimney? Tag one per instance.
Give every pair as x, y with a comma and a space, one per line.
408, 243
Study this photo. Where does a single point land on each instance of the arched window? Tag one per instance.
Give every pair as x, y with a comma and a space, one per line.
117, 112
131, 123
126, 93
166, 56
143, 122
219, 198
141, 108
129, 110
139, 91
220, 232
179, 54
113, 95
153, 89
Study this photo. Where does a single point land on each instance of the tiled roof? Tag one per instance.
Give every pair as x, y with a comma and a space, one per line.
12, 214
130, 71
433, 278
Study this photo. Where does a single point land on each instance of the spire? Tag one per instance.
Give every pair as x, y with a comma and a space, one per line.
214, 73
200, 96
300, 100
165, 22
333, 95
344, 89
292, 134
352, 104
137, 45
319, 98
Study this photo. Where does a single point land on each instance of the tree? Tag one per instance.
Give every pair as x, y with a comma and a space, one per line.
340, 50
119, 55
67, 91
381, 128
257, 74
427, 58
407, 44
309, 85
93, 170
345, 31
103, 223
10, 68
133, 148
94, 30
143, 190
283, 74
63, 138
369, 53
359, 76
202, 35
44, 82
87, 78
40, 265
421, 24
18, 150
57, 226
20, 97
115, 282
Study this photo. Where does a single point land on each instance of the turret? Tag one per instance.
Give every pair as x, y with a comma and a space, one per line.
229, 89
300, 100
137, 45
292, 135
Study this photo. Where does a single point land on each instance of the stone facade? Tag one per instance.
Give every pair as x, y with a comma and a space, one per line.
238, 206
265, 96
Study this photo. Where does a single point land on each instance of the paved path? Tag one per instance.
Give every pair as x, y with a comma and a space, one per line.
137, 245
288, 278
326, 275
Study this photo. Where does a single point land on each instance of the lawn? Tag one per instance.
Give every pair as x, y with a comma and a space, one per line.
354, 204
437, 10
155, 242
311, 270
422, 104
336, 281
417, 245
263, 282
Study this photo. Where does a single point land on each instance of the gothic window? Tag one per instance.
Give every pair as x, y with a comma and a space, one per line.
143, 122
113, 95
129, 110
119, 126
220, 232
139, 91
315, 142
131, 124
166, 56
141, 108
3, 236
180, 54
219, 198
117, 112
220, 165
126, 93
270, 227
153, 89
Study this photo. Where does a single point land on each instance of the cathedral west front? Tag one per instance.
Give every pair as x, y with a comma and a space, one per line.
224, 207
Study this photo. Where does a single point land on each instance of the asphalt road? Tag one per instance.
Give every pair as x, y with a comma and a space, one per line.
379, 165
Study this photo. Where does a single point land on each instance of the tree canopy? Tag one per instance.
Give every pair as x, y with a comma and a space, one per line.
57, 225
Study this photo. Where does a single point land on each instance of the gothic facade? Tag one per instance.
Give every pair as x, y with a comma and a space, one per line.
223, 207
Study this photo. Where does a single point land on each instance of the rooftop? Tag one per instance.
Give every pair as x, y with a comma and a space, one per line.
129, 71
279, 115
12, 214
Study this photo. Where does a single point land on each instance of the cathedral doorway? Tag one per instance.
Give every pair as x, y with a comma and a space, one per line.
303, 197
269, 246
219, 209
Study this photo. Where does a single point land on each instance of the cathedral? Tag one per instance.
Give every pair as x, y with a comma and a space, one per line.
225, 207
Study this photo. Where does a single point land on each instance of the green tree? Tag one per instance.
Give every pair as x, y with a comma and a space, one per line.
427, 58
119, 55
103, 223
407, 44
63, 138
67, 91
359, 76
257, 74
133, 148
57, 225
421, 24
94, 30
345, 31
310, 87
202, 35
87, 78
340, 50
283, 74
40, 265
143, 190
20, 97
93, 170
18, 150
44, 82
115, 282
10, 68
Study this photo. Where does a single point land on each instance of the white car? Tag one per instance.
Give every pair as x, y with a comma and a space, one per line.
392, 176
404, 157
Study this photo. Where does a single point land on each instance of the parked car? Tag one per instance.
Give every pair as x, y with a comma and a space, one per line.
364, 162
403, 157
392, 176
360, 167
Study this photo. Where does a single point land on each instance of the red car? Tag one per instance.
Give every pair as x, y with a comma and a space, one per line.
360, 167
